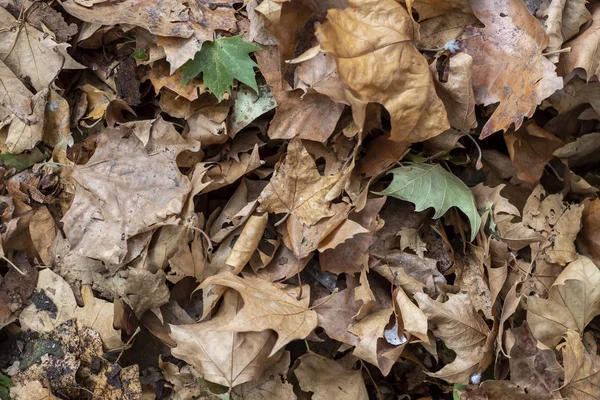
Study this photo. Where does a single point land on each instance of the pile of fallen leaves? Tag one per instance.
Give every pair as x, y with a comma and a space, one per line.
296, 199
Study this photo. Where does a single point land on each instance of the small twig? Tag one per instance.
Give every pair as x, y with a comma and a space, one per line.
565, 50
379, 397
282, 220
324, 301
478, 164
13, 265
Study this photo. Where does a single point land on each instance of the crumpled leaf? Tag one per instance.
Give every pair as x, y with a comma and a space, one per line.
220, 62
329, 379
556, 221
582, 368
573, 301
307, 198
56, 304
512, 72
393, 72
462, 330
457, 92
267, 306
530, 149
583, 54
430, 185
532, 368
273, 381
113, 205
30, 53
228, 358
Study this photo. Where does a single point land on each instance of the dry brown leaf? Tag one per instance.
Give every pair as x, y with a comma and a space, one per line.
225, 357
505, 216
267, 306
273, 381
31, 390
582, 369
319, 113
441, 29
247, 242
531, 148
508, 65
533, 368
460, 327
174, 21
584, 53
422, 270
557, 221
25, 134
496, 390
336, 313
57, 304
573, 95
303, 239
470, 278
574, 300
113, 205
372, 346
427, 9
297, 188
457, 92
42, 230
329, 379
393, 72
184, 381
161, 77
589, 238
32, 54
56, 120
413, 319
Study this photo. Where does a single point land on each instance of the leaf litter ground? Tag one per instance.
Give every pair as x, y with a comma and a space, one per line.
361, 199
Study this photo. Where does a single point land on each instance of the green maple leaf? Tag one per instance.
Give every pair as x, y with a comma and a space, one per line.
220, 62
430, 185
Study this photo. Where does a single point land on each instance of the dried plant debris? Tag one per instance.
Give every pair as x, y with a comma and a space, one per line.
281, 200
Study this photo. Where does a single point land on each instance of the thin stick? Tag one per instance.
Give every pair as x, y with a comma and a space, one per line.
372, 380
565, 50
13, 265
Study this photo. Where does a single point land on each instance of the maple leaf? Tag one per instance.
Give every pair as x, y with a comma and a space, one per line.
329, 379
225, 357
573, 301
297, 188
267, 306
430, 185
220, 62
462, 330
511, 72
392, 71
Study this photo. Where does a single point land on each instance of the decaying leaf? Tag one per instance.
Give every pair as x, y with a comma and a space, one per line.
508, 65
55, 303
111, 206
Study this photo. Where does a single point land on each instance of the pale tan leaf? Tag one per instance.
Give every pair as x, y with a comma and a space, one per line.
574, 300
306, 199
267, 306
460, 327
225, 357
329, 379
